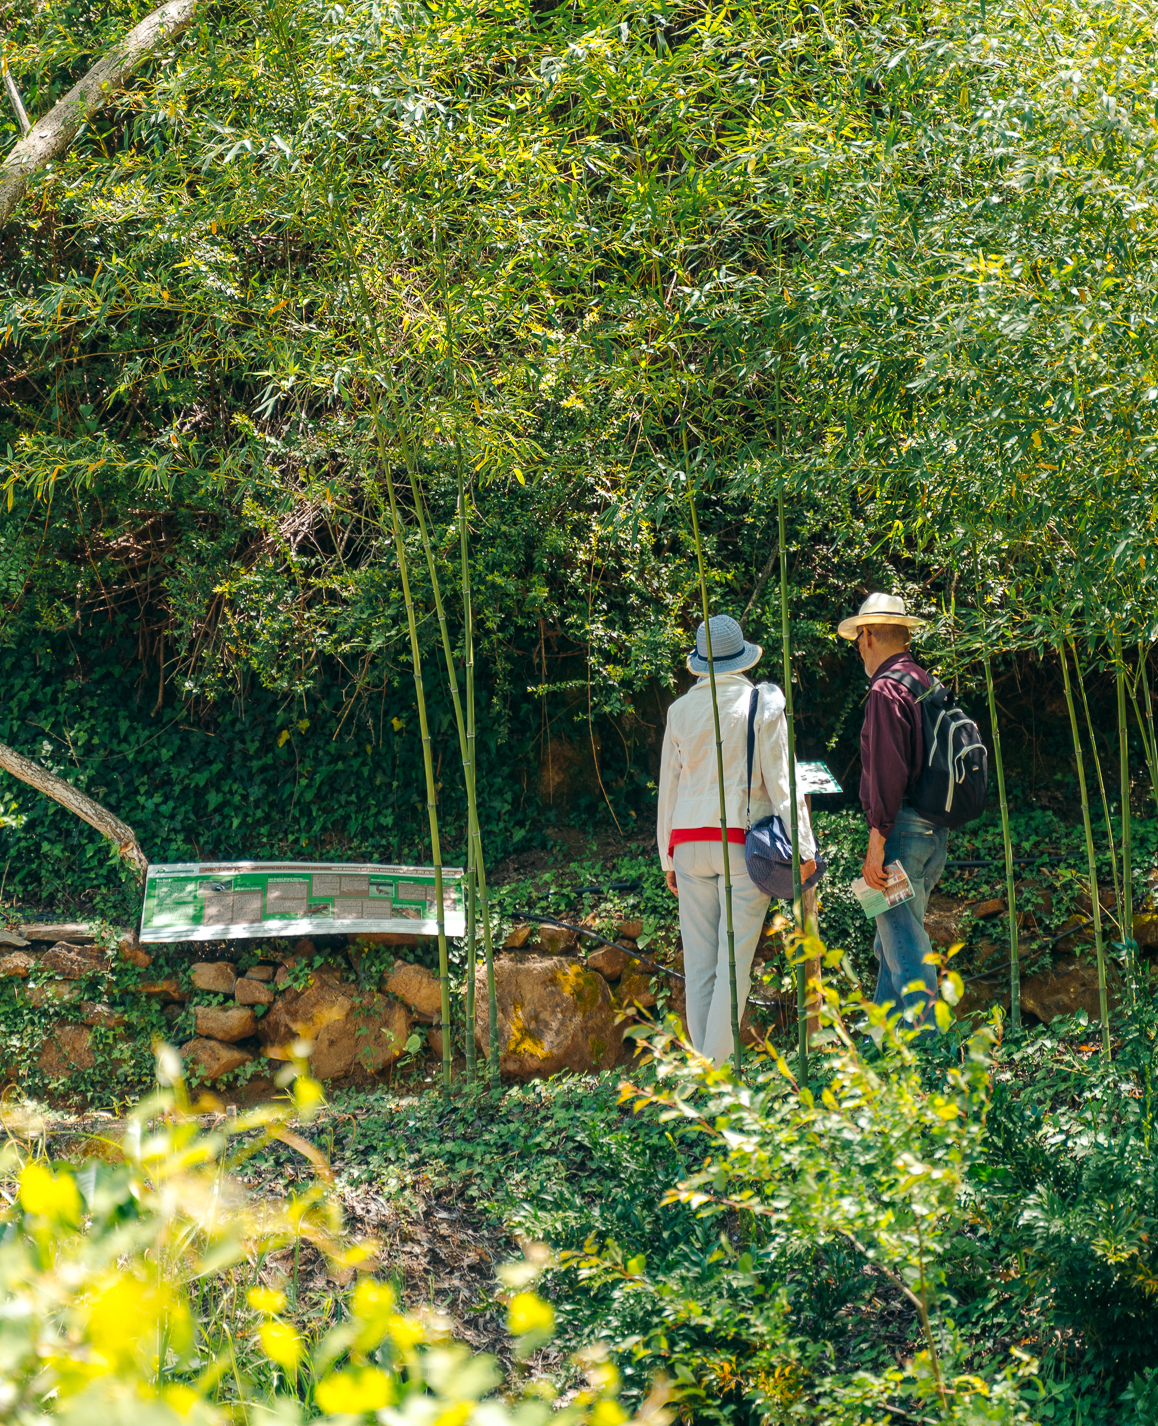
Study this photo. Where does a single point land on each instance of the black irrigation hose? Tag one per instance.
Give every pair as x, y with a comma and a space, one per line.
1054, 857
635, 885
1053, 940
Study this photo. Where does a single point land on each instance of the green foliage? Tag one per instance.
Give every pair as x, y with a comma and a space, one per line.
1024, 1207
859, 253
1073, 1179
195, 521
899, 264
1014, 1195
114, 1272
872, 1160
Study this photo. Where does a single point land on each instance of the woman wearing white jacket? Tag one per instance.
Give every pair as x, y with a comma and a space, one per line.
689, 824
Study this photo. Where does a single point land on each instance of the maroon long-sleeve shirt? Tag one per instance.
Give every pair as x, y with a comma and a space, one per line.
891, 742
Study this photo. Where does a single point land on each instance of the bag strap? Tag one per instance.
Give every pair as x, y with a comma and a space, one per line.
919, 694
906, 680
753, 704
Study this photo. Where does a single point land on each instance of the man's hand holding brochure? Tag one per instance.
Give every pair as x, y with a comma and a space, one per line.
898, 889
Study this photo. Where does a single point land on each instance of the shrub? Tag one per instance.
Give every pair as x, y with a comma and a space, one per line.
806, 1195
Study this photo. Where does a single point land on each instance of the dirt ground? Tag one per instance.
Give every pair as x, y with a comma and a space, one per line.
439, 1248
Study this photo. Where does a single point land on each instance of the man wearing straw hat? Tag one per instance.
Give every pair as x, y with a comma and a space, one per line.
690, 845
891, 752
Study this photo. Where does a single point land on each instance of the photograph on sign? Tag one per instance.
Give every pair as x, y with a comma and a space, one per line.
204, 901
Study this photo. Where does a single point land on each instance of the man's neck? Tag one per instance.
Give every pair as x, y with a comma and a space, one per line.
890, 658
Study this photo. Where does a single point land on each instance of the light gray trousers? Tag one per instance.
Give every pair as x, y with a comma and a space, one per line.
699, 869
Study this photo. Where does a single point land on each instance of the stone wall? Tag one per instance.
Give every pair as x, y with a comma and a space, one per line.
357, 1007
236, 1021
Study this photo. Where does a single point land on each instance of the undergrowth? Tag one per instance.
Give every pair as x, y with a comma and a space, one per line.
758, 1292
1047, 1262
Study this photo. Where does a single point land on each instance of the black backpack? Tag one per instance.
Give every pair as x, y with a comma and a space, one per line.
951, 785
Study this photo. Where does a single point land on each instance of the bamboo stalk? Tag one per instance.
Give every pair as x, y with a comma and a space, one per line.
737, 1057
471, 961
470, 1051
1101, 783
476, 862
464, 749
367, 312
1091, 856
1150, 714
797, 910
1146, 725
1126, 905
1011, 903
465, 746
1150, 752
813, 966
472, 796
427, 755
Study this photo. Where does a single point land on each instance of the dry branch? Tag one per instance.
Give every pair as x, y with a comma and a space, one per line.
107, 824
50, 137
17, 104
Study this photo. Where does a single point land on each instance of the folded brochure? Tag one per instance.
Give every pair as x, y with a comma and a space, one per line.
898, 889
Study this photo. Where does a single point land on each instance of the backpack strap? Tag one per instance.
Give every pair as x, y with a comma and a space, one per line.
906, 680
753, 704
919, 694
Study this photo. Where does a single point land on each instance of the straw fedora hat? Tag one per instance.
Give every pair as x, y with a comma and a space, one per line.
878, 609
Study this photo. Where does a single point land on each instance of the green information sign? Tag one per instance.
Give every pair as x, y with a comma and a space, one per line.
211, 901
815, 778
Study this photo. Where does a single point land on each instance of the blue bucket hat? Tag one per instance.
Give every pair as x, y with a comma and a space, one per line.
730, 651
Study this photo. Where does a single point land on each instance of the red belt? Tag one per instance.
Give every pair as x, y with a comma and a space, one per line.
704, 834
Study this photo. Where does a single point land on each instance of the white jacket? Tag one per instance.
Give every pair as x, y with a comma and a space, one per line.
688, 790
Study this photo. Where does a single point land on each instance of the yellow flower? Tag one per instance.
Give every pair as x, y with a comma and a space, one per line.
124, 1320
353, 1393
48, 1195
607, 1413
455, 1415
529, 1313
281, 1344
405, 1332
181, 1398
265, 1299
308, 1094
371, 1307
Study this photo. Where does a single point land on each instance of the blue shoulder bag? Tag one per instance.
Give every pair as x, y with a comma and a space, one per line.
768, 845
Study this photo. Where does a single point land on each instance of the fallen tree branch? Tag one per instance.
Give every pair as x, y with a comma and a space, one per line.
107, 824
50, 137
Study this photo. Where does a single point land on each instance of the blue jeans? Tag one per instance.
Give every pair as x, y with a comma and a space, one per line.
902, 943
